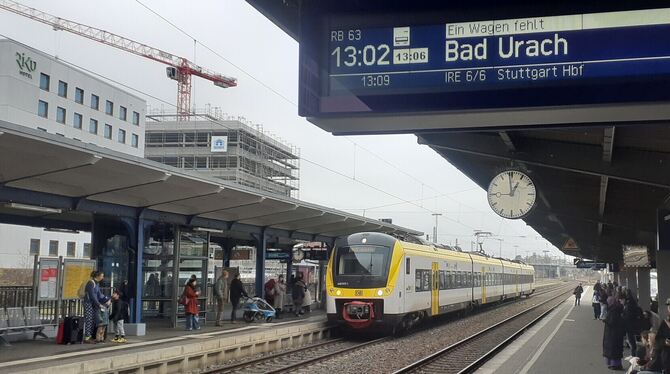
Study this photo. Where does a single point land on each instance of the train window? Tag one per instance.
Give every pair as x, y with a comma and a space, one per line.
407, 267
443, 280
422, 280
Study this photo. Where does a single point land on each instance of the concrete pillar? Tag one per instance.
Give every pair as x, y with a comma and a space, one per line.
643, 288
616, 278
631, 280
663, 270
139, 263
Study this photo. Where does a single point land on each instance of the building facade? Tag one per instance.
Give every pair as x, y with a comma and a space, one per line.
38, 91
229, 148
20, 244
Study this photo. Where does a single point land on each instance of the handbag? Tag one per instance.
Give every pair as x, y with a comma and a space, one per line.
183, 299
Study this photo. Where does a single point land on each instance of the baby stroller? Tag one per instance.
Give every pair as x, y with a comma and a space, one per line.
256, 308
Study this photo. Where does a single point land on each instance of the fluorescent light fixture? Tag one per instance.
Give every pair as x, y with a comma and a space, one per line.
65, 231
207, 229
34, 208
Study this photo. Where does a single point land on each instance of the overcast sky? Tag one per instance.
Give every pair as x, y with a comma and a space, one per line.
249, 41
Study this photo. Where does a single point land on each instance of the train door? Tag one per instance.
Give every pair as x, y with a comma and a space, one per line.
435, 290
516, 280
483, 275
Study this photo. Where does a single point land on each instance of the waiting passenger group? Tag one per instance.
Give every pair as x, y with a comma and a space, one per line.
101, 311
624, 323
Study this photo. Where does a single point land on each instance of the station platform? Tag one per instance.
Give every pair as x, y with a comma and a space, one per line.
568, 340
39, 355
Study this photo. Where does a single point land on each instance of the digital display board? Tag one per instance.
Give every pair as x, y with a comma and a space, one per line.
494, 54
423, 72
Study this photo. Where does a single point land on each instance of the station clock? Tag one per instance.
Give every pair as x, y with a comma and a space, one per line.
512, 194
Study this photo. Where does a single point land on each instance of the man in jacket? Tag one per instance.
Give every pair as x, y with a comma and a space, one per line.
222, 295
578, 294
236, 292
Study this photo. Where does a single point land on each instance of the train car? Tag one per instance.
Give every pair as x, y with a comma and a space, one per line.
375, 281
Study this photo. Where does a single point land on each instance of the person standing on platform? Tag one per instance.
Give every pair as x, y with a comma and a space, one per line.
190, 302
663, 339
613, 335
595, 303
280, 294
603, 304
632, 315
298, 294
578, 294
222, 295
119, 316
236, 292
94, 301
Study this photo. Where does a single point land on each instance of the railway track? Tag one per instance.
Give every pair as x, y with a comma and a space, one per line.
296, 360
289, 360
468, 354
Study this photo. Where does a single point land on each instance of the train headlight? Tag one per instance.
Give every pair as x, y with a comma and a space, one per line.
338, 292
380, 292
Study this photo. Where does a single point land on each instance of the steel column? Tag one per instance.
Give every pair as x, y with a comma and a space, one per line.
139, 262
260, 263
643, 288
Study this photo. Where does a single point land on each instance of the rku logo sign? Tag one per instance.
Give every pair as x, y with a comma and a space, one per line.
26, 65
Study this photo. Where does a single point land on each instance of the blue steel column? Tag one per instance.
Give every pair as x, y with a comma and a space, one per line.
137, 307
260, 263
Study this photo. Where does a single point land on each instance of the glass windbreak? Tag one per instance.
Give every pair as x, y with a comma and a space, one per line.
361, 266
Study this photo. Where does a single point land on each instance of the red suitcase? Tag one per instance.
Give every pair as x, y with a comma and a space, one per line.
59, 333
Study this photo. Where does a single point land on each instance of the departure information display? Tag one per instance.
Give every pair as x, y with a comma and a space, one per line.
498, 54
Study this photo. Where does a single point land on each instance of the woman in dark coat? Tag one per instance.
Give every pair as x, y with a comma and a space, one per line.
236, 292
615, 331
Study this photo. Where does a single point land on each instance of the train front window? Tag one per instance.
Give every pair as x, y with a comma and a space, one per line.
361, 266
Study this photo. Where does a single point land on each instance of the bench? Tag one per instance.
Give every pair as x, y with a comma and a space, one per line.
18, 320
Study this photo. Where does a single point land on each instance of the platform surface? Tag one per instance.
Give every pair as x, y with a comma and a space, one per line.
28, 354
568, 340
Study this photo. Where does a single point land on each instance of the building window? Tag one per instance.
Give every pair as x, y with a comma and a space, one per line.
34, 247
108, 131
44, 81
79, 95
134, 141
109, 108
62, 89
53, 248
136, 119
87, 250
93, 126
43, 109
121, 138
71, 249
60, 115
77, 121
95, 102
123, 113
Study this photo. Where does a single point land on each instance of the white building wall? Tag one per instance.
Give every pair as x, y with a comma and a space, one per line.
20, 92
15, 244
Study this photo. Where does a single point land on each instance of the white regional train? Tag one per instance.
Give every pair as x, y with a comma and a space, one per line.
375, 281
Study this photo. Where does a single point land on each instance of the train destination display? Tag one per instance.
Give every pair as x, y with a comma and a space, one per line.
498, 54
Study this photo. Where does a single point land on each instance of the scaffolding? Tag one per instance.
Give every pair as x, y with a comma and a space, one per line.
254, 157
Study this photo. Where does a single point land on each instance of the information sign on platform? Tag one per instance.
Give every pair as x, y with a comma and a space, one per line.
375, 65
277, 255
48, 278
75, 273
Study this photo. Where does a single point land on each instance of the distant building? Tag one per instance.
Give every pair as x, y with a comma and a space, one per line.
20, 244
229, 148
39, 91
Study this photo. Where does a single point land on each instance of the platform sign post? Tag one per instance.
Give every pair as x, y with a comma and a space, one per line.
49, 272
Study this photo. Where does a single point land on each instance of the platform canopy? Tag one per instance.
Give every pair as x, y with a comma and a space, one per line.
50, 181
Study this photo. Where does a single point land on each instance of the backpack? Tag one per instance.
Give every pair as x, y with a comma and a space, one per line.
82, 289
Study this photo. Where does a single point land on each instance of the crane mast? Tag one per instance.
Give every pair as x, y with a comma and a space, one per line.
179, 69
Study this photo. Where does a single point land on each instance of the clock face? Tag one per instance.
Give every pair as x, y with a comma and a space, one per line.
298, 255
512, 194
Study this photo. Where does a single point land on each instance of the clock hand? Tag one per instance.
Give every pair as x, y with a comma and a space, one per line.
514, 189
509, 178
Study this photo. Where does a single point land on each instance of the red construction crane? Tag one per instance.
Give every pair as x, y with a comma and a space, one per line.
179, 68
